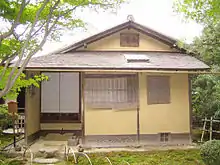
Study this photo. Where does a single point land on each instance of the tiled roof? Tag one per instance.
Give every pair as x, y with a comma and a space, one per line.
116, 60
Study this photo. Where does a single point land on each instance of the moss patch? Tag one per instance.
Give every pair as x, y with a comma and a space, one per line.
5, 140
171, 157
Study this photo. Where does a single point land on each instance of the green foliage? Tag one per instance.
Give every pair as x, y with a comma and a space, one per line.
21, 82
206, 88
9, 47
202, 11
210, 152
5, 139
11, 161
207, 46
5, 117
170, 157
28, 24
206, 96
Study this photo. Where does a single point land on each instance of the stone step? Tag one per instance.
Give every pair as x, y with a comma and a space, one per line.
46, 160
57, 137
50, 152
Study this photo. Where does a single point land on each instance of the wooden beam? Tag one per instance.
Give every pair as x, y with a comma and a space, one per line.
124, 71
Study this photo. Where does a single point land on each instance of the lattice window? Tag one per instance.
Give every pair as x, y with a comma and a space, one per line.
164, 137
111, 91
158, 89
129, 40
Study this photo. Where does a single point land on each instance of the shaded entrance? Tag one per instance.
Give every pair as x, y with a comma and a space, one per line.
21, 101
60, 102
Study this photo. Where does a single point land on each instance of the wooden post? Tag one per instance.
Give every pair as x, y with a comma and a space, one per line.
83, 105
203, 129
210, 129
138, 125
138, 111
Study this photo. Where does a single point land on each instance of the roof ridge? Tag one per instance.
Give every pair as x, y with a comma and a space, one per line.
156, 32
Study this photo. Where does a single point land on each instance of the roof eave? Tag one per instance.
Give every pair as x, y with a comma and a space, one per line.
81, 69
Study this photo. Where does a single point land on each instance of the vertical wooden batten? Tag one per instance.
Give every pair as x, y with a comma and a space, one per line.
138, 111
190, 106
138, 124
82, 82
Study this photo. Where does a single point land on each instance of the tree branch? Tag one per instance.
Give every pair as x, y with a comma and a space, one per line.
9, 80
6, 66
16, 22
7, 58
38, 29
48, 29
17, 36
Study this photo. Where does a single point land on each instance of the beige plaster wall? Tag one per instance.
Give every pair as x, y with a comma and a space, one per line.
173, 117
32, 108
112, 43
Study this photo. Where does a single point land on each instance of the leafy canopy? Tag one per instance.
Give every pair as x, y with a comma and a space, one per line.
202, 11
206, 88
28, 24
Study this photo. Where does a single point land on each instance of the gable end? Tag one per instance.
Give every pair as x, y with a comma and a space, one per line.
127, 25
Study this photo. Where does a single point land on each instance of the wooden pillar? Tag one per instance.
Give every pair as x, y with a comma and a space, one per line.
138, 110
83, 105
190, 105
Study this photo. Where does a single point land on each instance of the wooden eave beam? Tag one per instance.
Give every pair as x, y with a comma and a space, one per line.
124, 71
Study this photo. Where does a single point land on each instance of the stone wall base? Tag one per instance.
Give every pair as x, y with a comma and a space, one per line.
132, 140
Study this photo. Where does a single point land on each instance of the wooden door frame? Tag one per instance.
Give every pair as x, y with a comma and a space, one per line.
80, 106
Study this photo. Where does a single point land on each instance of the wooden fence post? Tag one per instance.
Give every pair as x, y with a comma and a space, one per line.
210, 130
203, 129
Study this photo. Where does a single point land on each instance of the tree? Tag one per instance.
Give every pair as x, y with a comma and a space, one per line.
206, 100
206, 88
202, 11
207, 46
30, 23
206, 96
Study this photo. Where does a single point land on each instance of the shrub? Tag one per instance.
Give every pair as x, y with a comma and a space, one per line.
5, 117
210, 152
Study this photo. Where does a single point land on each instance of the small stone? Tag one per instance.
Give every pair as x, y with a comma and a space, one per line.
72, 142
47, 152
18, 148
46, 161
42, 150
80, 148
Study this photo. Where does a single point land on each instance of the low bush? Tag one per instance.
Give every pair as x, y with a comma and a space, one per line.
210, 152
6, 119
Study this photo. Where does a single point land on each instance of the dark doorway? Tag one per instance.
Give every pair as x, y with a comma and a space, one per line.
2, 101
21, 101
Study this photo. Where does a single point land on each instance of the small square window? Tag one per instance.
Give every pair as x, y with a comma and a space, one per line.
164, 137
129, 40
158, 90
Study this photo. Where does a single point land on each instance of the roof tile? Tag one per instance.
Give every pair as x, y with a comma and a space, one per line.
116, 60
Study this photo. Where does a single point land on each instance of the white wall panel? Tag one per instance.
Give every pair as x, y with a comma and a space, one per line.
69, 92
50, 93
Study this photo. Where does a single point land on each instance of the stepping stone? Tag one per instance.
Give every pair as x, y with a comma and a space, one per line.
49, 152
46, 160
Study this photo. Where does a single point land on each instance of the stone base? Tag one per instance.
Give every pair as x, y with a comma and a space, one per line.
107, 141
57, 137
